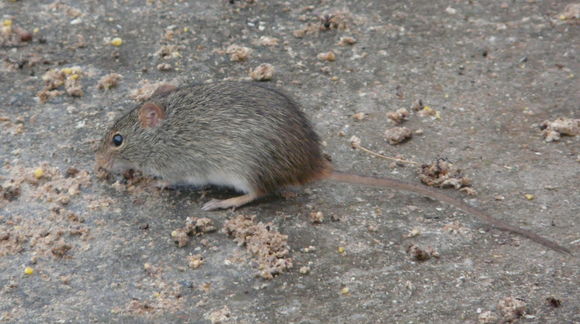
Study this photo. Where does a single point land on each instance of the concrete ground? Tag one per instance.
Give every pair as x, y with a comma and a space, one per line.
77, 249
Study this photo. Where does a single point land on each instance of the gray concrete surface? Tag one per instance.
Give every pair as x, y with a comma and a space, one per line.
493, 69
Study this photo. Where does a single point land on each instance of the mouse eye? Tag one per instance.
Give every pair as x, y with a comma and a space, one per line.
117, 140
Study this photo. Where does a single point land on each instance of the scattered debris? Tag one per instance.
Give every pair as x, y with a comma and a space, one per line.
54, 79
238, 53
219, 316
420, 254
511, 308
571, 12
443, 174
397, 135
164, 67
269, 248
327, 56
316, 217
109, 81
266, 41
399, 116
346, 40
147, 89
193, 226
262, 72
553, 130
195, 261
554, 302
359, 116
487, 318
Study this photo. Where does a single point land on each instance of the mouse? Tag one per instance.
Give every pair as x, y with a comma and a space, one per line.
244, 135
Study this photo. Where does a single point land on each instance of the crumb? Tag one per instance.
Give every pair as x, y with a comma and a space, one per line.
327, 56
398, 135
267, 41
61, 250
399, 116
193, 226
164, 67
359, 116
421, 254
511, 308
469, 191
487, 318
553, 130
304, 270
554, 302
443, 174
168, 52
269, 248
334, 21
354, 142
417, 105
147, 89
316, 217
571, 12
238, 53
219, 316
195, 261
68, 77
109, 81
262, 72
346, 40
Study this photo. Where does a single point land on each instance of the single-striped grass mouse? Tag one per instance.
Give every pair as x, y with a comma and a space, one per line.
243, 135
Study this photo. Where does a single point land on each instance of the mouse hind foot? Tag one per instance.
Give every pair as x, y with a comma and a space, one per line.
235, 202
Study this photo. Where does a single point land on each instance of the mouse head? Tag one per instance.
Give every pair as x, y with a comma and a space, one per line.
128, 142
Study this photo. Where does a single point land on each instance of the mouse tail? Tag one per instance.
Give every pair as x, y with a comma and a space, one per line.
431, 193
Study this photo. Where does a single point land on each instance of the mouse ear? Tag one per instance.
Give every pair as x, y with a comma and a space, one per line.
151, 114
163, 90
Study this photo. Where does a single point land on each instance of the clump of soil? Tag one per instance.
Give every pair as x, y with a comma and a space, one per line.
553, 130
444, 174
269, 248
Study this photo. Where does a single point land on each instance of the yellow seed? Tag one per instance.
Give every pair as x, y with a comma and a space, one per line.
341, 249
36, 30
529, 196
38, 173
67, 71
7, 23
427, 109
185, 29
117, 41
28, 270
75, 76
345, 291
